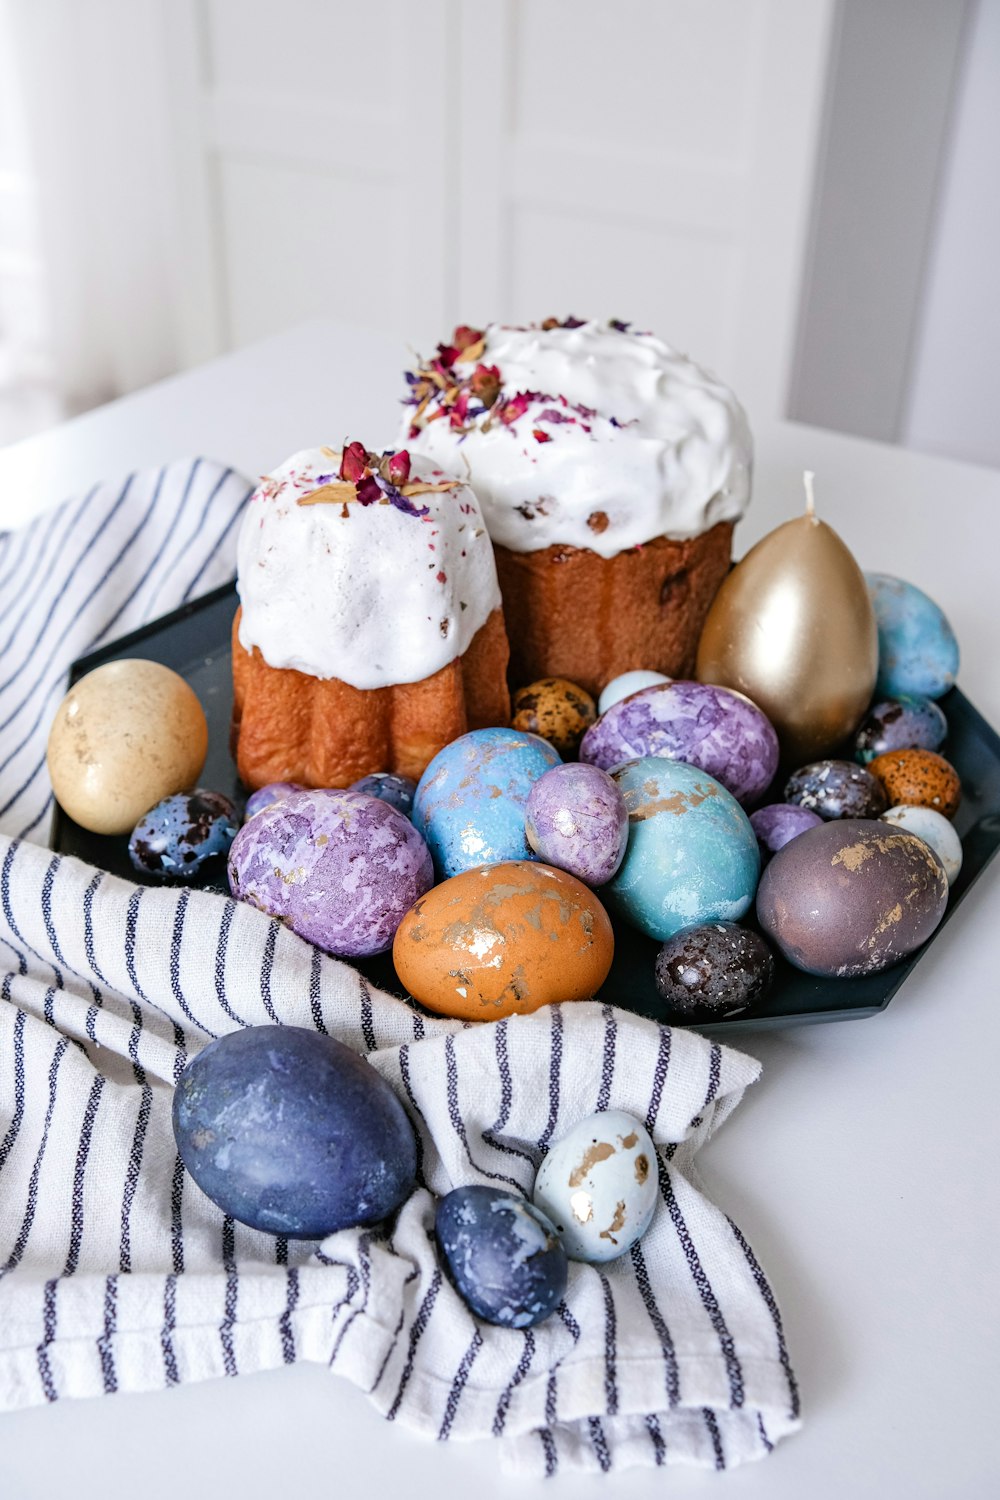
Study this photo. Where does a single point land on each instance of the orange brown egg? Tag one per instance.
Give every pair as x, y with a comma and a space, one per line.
503, 940
557, 709
919, 778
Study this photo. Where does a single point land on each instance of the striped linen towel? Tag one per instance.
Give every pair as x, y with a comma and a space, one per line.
117, 1274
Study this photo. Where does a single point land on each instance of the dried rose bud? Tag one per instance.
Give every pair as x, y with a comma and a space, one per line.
464, 336
354, 462
485, 383
446, 356
399, 467
549, 323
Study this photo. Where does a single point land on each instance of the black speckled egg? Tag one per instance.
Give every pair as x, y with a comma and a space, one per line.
712, 971
837, 789
851, 897
558, 710
905, 723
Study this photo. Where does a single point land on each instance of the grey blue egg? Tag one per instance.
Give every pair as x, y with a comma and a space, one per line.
388, 787
184, 836
692, 855
502, 1254
906, 723
575, 818
712, 972
778, 822
339, 868
935, 829
600, 1186
275, 791
470, 801
917, 648
717, 730
625, 685
851, 897
291, 1132
837, 789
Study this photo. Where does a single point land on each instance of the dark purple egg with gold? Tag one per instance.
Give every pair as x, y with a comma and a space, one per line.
908, 722
851, 897
712, 971
837, 789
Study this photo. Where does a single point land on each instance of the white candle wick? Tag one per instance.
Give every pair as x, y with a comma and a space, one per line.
808, 476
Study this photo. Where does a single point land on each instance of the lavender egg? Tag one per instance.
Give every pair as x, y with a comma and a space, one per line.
576, 819
905, 723
387, 787
339, 868
711, 728
275, 791
837, 789
778, 823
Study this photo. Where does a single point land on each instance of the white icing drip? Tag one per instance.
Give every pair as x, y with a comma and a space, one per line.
667, 451
374, 597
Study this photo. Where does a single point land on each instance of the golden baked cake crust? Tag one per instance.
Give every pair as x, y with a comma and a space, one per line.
289, 726
571, 613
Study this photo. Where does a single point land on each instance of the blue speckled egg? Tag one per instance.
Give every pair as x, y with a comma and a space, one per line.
275, 791
293, 1133
502, 1254
692, 855
576, 820
906, 723
470, 802
182, 835
388, 787
917, 649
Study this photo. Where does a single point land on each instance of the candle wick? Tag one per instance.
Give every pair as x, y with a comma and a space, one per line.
808, 476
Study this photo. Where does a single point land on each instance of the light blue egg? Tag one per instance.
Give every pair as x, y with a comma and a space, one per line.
917, 649
628, 683
470, 801
692, 855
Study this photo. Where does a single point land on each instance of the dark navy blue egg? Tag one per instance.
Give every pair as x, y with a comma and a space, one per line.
503, 1255
908, 722
293, 1133
387, 787
182, 835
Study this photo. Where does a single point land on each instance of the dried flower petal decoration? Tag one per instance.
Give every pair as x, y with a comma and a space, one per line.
515, 407
368, 491
618, 325
540, 436
354, 462
485, 384
398, 467
464, 336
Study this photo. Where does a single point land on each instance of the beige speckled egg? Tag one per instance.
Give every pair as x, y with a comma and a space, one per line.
558, 710
125, 736
502, 940
919, 778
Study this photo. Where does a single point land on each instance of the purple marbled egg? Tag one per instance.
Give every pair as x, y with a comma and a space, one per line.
712, 728
576, 819
339, 868
779, 823
275, 791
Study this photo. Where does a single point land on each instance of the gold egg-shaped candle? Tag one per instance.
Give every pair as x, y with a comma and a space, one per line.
793, 628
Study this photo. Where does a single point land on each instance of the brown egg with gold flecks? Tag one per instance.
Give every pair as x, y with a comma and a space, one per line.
502, 940
919, 778
557, 710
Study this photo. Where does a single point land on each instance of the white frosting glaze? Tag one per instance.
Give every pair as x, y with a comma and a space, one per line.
364, 593
660, 447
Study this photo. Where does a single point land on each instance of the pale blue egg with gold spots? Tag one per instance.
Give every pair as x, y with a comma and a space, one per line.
692, 854
470, 802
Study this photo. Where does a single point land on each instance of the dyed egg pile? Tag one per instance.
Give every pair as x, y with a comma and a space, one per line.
470, 801
503, 940
716, 730
339, 868
575, 818
293, 1133
183, 835
599, 1186
557, 710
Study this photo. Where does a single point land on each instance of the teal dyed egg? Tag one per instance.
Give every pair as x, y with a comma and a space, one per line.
917, 649
469, 803
692, 855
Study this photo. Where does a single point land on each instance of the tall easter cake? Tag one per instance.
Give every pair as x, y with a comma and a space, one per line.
610, 470
370, 631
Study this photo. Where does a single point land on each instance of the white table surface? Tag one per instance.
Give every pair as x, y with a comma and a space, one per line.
863, 1167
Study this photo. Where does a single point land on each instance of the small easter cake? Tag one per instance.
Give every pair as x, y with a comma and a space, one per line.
370, 631
611, 471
